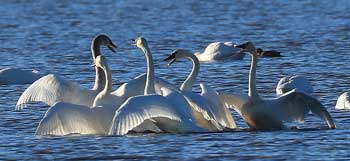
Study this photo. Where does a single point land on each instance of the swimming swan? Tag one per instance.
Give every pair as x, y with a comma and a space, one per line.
289, 83
270, 114
343, 102
220, 51
207, 102
18, 76
65, 118
169, 111
52, 88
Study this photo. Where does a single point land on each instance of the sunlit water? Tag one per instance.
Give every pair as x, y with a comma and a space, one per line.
55, 37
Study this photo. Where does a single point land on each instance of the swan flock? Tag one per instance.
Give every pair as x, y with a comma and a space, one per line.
148, 103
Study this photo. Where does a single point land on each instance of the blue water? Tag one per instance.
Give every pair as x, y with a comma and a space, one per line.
55, 37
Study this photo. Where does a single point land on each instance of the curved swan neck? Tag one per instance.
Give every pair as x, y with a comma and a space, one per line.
108, 85
99, 73
252, 92
149, 86
188, 83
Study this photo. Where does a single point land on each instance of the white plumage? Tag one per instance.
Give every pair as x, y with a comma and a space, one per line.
343, 102
209, 112
169, 111
18, 76
289, 83
67, 118
220, 51
52, 88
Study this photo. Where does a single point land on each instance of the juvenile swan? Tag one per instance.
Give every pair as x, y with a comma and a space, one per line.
270, 114
52, 88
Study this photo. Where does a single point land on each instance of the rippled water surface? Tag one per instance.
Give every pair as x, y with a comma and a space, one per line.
55, 36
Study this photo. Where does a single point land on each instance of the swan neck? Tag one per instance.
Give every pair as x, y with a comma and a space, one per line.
188, 83
99, 73
108, 85
252, 92
149, 86
107, 88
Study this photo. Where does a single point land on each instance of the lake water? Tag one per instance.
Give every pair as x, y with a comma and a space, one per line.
55, 37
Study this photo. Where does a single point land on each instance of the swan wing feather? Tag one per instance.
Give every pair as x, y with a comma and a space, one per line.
233, 101
138, 109
51, 89
293, 105
222, 114
64, 118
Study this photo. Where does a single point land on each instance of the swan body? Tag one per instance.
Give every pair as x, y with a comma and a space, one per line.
18, 76
343, 102
67, 118
209, 112
136, 86
220, 51
262, 114
169, 111
289, 83
53, 88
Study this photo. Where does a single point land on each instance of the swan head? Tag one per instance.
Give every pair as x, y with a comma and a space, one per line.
247, 46
177, 54
140, 42
104, 40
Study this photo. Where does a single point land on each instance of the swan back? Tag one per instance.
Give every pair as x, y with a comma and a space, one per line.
220, 51
289, 83
343, 101
17, 76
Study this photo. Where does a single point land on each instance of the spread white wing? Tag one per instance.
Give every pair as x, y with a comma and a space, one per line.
64, 118
138, 109
293, 106
51, 89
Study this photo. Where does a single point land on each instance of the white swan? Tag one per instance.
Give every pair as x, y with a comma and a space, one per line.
289, 83
343, 102
18, 76
270, 114
52, 88
66, 118
220, 51
208, 100
169, 111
